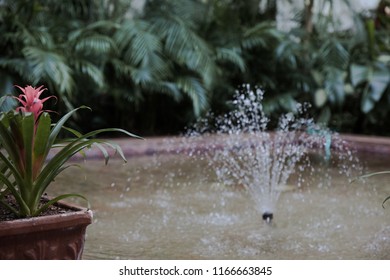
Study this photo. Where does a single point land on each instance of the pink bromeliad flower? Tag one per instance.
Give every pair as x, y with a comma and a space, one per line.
30, 100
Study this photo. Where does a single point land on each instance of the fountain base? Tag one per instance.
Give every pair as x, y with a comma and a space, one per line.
268, 217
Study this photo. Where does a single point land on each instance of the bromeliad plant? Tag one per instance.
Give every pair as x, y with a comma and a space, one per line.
27, 135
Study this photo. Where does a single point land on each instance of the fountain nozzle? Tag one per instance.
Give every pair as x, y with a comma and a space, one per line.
267, 217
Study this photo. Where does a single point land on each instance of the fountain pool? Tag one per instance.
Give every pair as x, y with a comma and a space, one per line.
172, 206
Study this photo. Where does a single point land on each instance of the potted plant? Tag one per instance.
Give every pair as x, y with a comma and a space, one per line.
36, 226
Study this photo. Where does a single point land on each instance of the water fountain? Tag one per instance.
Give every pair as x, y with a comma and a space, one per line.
262, 161
203, 196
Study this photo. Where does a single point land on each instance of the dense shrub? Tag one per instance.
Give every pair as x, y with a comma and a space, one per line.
155, 70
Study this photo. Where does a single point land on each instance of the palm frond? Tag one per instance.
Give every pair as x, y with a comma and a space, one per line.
334, 85
187, 49
93, 27
6, 87
73, 9
166, 87
262, 35
334, 54
127, 30
191, 12
194, 89
49, 66
143, 45
231, 55
122, 70
287, 52
95, 44
141, 51
90, 70
183, 44
141, 75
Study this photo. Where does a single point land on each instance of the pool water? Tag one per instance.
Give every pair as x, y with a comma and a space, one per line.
173, 207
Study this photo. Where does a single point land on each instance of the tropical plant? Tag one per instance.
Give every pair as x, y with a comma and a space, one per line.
344, 73
122, 58
244, 41
27, 136
312, 63
370, 71
191, 56
174, 55
55, 43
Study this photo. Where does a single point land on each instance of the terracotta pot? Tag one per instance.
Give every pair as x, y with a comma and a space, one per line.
60, 236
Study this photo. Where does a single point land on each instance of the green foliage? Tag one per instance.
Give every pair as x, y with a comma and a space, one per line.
375, 79
95, 50
191, 56
345, 74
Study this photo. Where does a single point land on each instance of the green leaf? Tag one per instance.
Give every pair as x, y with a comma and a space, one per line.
50, 66
370, 175
378, 83
90, 70
333, 54
73, 131
143, 45
288, 103
169, 88
359, 74
5, 137
367, 103
318, 77
41, 147
194, 89
73, 146
141, 75
377, 79
324, 116
5, 171
28, 125
11, 186
320, 97
56, 199
95, 44
374, 174
6, 86
115, 147
261, 35
11, 167
58, 126
334, 85
386, 199
231, 55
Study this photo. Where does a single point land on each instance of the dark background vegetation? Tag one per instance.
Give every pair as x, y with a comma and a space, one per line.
155, 71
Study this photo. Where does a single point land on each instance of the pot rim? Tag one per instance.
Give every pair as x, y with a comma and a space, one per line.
79, 215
